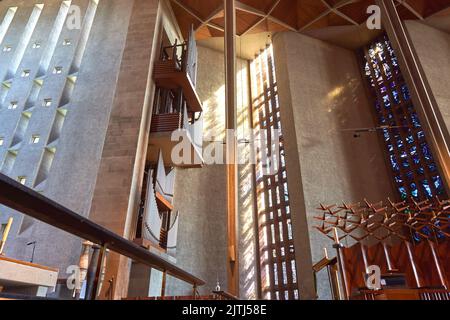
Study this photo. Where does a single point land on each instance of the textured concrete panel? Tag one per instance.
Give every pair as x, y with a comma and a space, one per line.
117, 192
321, 93
73, 172
200, 194
433, 48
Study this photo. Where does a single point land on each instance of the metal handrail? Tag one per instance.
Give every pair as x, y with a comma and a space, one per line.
29, 202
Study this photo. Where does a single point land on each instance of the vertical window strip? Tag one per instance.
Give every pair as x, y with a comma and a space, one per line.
412, 164
277, 254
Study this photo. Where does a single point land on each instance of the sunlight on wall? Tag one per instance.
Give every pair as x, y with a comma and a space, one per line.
213, 89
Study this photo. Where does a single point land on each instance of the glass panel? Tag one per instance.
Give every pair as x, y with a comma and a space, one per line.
410, 156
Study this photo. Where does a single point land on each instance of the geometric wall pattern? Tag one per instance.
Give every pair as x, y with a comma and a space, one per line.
41, 50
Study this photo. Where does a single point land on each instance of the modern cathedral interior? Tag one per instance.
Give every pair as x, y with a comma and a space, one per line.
225, 149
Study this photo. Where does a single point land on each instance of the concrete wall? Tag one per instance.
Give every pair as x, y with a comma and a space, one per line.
119, 181
200, 194
72, 174
433, 48
321, 92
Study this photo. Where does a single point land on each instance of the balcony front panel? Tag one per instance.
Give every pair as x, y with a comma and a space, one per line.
168, 75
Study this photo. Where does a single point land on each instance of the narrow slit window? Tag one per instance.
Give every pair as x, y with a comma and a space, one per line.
35, 139
407, 149
7, 49
22, 180
57, 70
47, 102
26, 73
13, 105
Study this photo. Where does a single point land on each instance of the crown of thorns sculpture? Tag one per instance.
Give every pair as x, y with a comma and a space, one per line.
377, 222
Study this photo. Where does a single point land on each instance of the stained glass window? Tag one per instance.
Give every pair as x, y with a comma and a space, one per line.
410, 157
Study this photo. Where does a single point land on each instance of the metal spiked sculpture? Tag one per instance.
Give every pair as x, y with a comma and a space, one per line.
379, 222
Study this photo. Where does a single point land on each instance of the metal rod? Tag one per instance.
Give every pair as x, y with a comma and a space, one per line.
387, 256
96, 288
342, 270
90, 277
413, 264
438, 265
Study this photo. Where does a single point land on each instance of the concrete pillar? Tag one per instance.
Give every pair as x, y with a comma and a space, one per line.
119, 181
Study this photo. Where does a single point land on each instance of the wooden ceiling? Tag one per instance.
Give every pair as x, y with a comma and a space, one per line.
254, 16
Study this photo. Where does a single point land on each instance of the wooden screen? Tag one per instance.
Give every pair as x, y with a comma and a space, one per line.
277, 254
412, 163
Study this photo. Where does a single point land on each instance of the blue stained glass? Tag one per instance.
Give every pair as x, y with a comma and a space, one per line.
387, 137
367, 69
438, 184
394, 61
403, 192
415, 120
405, 92
387, 103
410, 139
410, 175
426, 152
405, 164
416, 237
394, 163
409, 154
427, 188
414, 191
396, 96
440, 235
387, 70
426, 230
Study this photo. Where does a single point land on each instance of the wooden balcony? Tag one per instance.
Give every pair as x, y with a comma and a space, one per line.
162, 127
169, 75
